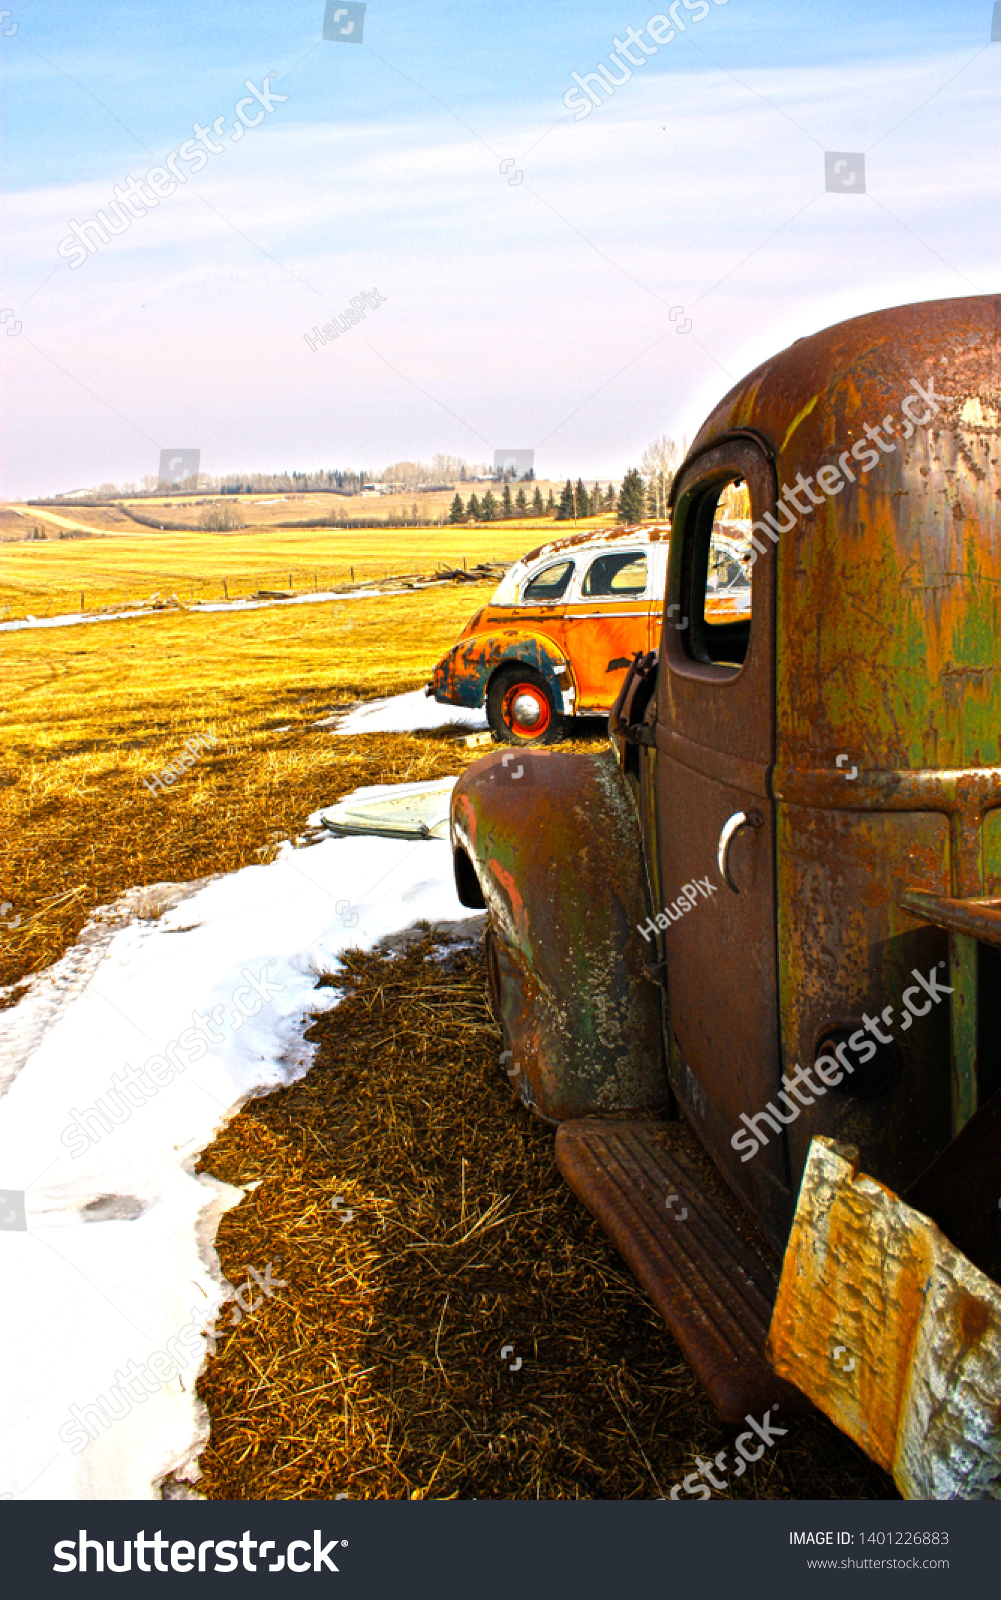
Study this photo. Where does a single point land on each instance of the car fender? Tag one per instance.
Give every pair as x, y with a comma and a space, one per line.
462, 677
550, 846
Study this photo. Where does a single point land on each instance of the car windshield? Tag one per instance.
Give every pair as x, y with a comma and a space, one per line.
550, 584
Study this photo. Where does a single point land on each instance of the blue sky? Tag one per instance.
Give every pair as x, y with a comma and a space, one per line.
535, 269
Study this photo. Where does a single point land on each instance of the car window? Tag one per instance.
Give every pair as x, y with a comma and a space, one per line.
621, 574
728, 576
550, 584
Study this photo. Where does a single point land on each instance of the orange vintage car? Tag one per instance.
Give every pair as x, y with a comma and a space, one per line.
566, 621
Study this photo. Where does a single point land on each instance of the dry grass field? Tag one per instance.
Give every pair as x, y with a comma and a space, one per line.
377, 1372
122, 563
87, 712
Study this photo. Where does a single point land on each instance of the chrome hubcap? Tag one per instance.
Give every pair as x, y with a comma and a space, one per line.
526, 710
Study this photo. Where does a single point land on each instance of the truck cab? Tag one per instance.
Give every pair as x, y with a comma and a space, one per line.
770, 920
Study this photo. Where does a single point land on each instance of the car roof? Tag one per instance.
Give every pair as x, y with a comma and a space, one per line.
641, 533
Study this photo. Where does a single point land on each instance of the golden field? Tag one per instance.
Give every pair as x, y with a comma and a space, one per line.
123, 563
86, 712
376, 1373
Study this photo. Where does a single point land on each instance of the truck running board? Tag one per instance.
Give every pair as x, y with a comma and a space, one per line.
713, 1288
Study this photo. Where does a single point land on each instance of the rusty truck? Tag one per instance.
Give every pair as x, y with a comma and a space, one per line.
748, 960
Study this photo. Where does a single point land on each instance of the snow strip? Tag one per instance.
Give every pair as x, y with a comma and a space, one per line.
74, 619
109, 1267
414, 712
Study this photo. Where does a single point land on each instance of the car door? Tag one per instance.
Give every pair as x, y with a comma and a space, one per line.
606, 620
715, 739
541, 603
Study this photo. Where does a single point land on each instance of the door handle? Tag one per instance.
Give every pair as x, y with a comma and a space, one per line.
733, 825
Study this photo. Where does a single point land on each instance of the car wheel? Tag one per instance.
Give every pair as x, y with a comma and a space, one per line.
521, 708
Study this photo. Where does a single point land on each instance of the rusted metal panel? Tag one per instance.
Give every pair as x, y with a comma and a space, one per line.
714, 1288
887, 689
555, 845
980, 918
840, 921
892, 1332
461, 677
715, 742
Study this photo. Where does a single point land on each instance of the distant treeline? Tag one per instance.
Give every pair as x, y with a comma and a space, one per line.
366, 522
573, 502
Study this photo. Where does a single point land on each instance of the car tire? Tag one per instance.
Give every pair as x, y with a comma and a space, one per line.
521, 709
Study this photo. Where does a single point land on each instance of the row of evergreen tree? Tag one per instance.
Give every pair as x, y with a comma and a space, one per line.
490, 509
632, 504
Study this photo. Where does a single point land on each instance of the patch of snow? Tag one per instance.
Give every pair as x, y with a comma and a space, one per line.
415, 712
69, 619
110, 1269
73, 619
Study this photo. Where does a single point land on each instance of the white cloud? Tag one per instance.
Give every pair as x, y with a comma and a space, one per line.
495, 303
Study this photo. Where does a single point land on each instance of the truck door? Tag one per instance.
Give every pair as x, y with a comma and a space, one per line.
715, 738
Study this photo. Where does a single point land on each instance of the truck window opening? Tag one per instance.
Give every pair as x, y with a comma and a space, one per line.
720, 601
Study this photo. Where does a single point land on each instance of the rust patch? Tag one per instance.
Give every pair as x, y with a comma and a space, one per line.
973, 1319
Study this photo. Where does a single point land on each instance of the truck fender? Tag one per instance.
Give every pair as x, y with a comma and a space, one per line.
550, 846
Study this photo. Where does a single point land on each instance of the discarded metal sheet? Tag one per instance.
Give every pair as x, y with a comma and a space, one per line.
414, 811
892, 1332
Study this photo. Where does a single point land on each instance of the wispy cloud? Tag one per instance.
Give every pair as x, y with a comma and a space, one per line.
518, 305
